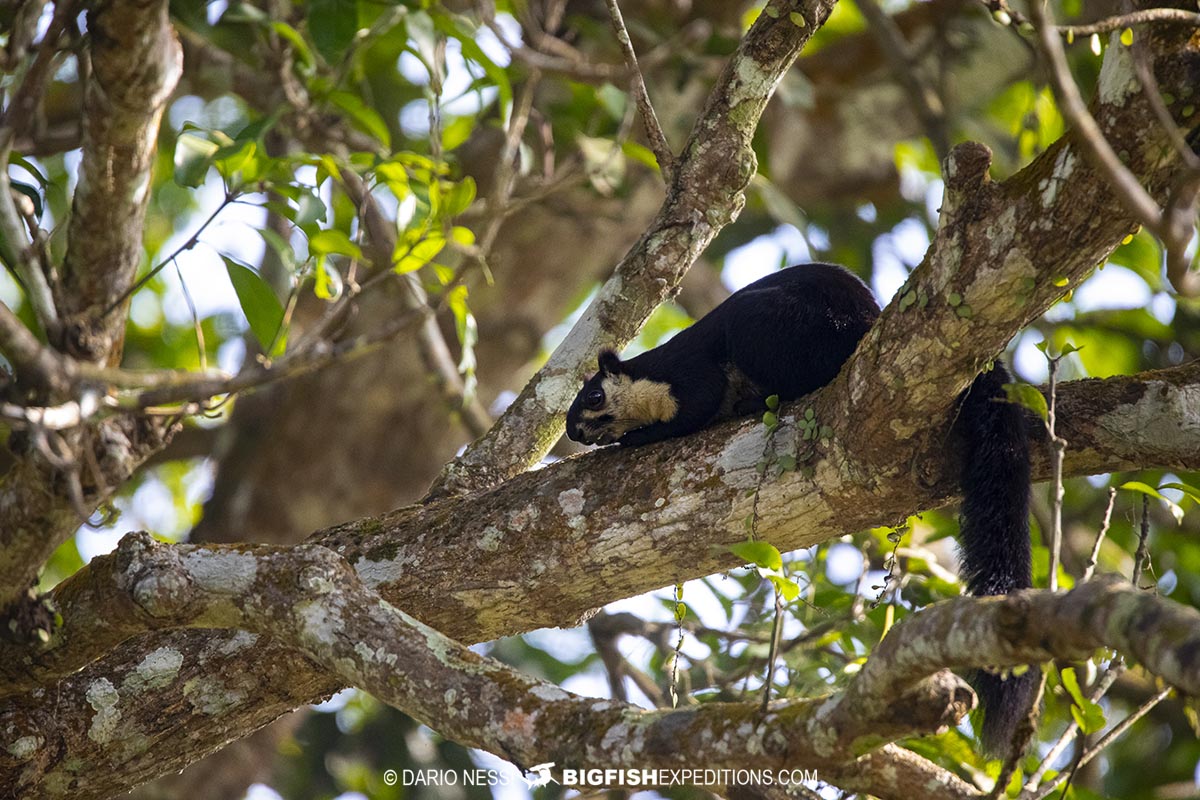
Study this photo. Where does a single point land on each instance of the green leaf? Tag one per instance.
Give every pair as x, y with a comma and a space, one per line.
396, 178
17, 159
328, 280
310, 209
770, 419
789, 589
1028, 396
773, 402
422, 34
193, 156
237, 157
758, 553
468, 335
362, 117
460, 196
281, 246
464, 236
328, 168
1088, 715
457, 132
640, 153
31, 192
300, 47
331, 240
454, 27
262, 309
1071, 684
1090, 719
780, 206
419, 254
603, 161
1187, 489
333, 25
1172, 506
613, 101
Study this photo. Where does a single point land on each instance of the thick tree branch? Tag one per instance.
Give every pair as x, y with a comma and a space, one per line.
705, 194
311, 599
541, 526
39, 510
136, 62
616, 522
135, 65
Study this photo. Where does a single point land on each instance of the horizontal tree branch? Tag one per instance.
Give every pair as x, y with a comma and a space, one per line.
311, 599
544, 547
618, 522
544, 527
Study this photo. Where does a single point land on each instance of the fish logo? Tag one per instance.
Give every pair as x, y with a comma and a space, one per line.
541, 775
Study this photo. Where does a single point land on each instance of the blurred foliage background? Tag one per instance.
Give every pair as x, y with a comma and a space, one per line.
251, 235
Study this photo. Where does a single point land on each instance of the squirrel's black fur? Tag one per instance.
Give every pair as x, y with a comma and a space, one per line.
788, 334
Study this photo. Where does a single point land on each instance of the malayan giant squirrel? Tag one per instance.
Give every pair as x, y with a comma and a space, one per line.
788, 334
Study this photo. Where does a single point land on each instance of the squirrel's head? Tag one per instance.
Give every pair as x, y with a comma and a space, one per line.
615, 401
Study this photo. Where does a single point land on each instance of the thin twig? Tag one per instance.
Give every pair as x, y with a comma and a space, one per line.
1022, 737
66, 415
191, 242
654, 132
1089, 136
673, 679
18, 254
1058, 446
21, 110
1153, 95
1168, 15
1090, 567
1175, 227
201, 350
505, 175
294, 363
1105, 741
1141, 557
773, 652
1103, 684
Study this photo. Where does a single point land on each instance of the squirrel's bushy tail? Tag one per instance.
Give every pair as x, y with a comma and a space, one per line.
994, 532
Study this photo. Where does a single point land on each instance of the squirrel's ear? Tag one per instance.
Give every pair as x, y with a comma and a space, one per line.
609, 362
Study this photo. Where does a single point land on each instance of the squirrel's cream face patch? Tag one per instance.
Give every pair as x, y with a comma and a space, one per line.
629, 404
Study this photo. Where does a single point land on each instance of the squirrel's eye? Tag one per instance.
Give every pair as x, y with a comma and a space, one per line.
594, 399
